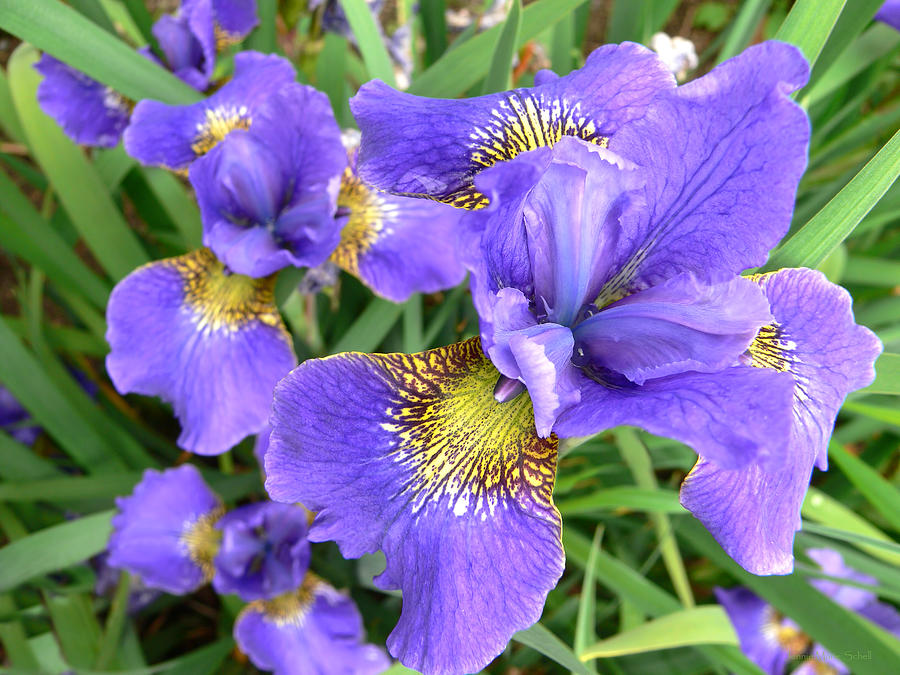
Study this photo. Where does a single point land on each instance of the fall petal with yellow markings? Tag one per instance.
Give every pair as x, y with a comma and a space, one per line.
411, 454
210, 343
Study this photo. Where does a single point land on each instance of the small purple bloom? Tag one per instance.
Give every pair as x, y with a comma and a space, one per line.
165, 531
174, 136
313, 630
89, 112
396, 245
268, 195
434, 147
188, 44
264, 550
771, 640
14, 419
232, 20
889, 14
210, 342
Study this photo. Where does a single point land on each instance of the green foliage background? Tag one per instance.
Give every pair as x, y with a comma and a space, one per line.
636, 596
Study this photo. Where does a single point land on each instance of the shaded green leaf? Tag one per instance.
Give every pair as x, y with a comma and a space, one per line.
498, 76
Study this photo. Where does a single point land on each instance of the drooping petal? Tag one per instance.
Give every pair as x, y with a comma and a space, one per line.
723, 154
311, 631
434, 147
211, 344
89, 112
174, 136
756, 627
264, 550
164, 531
412, 455
396, 245
731, 415
679, 325
816, 339
754, 511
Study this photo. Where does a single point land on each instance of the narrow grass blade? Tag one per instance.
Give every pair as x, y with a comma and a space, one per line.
370, 40
809, 24
20, 463
825, 510
889, 414
635, 455
141, 17
60, 30
178, 204
75, 626
878, 491
743, 27
462, 66
105, 486
27, 234
435, 29
14, 639
855, 17
499, 74
542, 640
585, 632
115, 622
872, 271
264, 37
412, 325
9, 119
696, 626
367, 332
74, 179
53, 548
621, 499
562, 49
93, 10
838, 218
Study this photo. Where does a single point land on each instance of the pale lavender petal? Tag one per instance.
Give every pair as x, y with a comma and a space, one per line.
752, 619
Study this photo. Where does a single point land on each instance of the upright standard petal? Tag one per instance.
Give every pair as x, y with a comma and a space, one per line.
264, 550
313, 630
267, 196
174, 136
434, 147
187, 43
723, 155
89, 112
414, 456
209, 342
165, 531
396, 246
754, 511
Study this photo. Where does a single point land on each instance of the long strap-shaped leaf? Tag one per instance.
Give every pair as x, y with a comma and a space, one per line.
60, 30
838, 218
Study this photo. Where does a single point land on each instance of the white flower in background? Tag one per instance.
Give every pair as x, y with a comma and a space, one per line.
677, 53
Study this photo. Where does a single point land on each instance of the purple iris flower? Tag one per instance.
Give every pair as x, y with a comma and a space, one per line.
90, 113
772, 641
165, 531
187, 43
312, 630
264, 550
231, 20
210, 342
433, 147
174, 136
268, 195
395, 245
889, 14
605, 274
14, 419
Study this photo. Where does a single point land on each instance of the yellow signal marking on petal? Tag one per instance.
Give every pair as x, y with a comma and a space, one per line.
370, 214
459, 445
219, 122
522, 121
292, 607
224, 39
224, 302
202, 540
788, 637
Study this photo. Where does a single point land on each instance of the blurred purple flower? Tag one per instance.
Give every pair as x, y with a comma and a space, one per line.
264, 550
772, 641
314, 629
90, 113
14, 419
889, 14
268, 195
210, 342
165, 531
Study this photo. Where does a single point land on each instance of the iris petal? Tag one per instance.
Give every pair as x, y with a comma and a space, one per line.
412, 455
